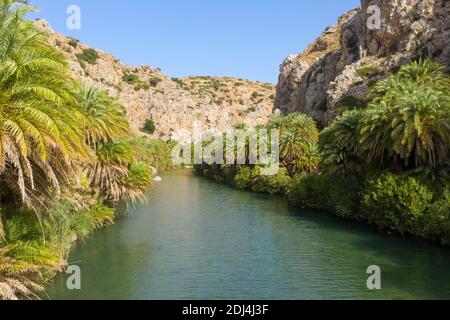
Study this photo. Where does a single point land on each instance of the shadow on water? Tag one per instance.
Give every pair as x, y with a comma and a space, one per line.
200, 240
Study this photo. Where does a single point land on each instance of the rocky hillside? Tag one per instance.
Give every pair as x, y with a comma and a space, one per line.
173, 104
337, 70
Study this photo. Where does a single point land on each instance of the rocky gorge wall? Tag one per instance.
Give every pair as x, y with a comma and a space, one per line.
332, 74
173, 104
337, 70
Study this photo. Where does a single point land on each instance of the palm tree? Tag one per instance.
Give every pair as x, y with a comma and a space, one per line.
110, 169
117, 175
39, 133
422, 73
409, 122
138, 183
49, 130
21, 266
301, 124
406, 126
298, 139
338, 145
106, 118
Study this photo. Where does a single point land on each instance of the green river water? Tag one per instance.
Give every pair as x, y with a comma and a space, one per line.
196, 239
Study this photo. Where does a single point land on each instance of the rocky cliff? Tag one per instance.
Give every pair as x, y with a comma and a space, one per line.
173, 104
336, 71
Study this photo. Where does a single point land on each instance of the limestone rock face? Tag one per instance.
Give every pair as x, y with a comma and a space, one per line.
337, 70
173, 104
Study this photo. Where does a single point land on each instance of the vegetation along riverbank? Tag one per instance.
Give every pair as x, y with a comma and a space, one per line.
67, 157
386, 163
363, 118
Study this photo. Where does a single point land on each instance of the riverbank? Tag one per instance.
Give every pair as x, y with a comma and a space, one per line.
386, 163
348, 198
35, 247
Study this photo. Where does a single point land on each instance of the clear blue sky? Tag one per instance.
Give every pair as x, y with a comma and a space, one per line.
239, 38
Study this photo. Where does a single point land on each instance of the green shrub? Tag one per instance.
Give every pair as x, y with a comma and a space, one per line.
178, 81
396, 203
367, 72
207, 173
436, 221
279, 183
130, 78
133, 79
149, 126
83, 223
73, 42
437, 179
217, 85
59, 230
142, 85
89, 55
229, 174
154, 81
243, 179
256, 95
103, 215
23, 225
334, 194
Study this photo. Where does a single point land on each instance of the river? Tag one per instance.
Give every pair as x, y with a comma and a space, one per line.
196, 239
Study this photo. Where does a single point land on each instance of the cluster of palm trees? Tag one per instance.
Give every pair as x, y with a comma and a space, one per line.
404, 130
407, 125
298, 142
51, 127
56, 137
297, 137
